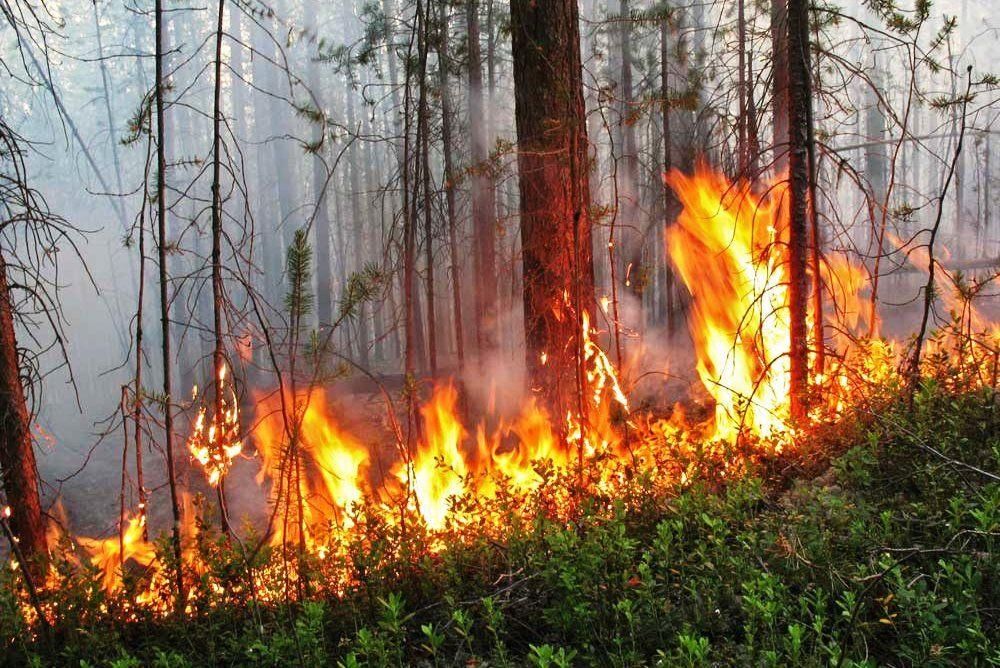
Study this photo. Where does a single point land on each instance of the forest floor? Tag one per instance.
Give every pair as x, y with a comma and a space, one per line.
877, 545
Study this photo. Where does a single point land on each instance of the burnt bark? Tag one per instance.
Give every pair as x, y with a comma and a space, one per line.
555, 197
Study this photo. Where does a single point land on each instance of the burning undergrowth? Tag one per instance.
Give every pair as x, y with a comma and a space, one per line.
340, 506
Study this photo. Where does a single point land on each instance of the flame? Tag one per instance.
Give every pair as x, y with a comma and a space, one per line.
727, 247
216, 444
439, 467
335, 462
110, 555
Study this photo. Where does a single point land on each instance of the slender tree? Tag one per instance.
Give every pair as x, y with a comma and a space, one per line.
449, 181
167, 361
218, 296
799, 118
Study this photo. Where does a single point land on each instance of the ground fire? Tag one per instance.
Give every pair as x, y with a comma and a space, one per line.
325, 483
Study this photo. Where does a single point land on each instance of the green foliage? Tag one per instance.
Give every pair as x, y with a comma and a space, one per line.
886, 558
362, 286
298, 267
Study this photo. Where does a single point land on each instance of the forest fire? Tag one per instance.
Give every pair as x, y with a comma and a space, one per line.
499, 332
728, 247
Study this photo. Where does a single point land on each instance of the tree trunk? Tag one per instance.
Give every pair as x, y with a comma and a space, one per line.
161, 215
218, 297
628, 222
17, 454
799, 103
428, 234
449, 185
669, 201
557, 254
779, 78
321, 221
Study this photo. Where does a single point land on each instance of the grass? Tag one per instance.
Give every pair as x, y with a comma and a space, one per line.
887, 557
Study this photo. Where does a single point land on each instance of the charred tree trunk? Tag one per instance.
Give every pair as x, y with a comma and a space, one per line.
17, 454
483, 198
555, 218
799, 117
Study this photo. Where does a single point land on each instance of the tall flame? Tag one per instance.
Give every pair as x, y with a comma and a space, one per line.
727, 246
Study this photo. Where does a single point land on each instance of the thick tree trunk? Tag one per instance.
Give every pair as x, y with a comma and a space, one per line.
799, 115
555, 218
483, 197
17, 455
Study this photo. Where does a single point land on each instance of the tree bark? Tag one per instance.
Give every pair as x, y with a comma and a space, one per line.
17, 454
628, 177
218, 297
799, 103
557, 255
161, 211
669, 200
779, 78
428, 240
